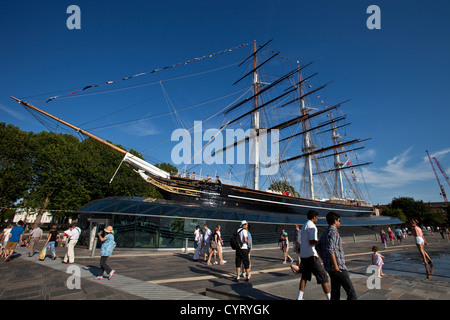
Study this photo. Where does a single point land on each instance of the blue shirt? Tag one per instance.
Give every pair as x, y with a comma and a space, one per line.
108, 245
15, 234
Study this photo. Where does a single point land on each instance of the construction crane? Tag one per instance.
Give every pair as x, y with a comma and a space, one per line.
442, 170
437, 178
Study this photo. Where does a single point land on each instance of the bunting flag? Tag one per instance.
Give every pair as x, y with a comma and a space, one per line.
149, 72
36, 210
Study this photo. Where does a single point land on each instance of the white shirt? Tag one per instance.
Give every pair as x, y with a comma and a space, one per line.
308, 232
6, 233
243, 234
74, 234
207, 235
197, 235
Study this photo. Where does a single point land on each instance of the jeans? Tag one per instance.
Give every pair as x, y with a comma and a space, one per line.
51, 244
341, 279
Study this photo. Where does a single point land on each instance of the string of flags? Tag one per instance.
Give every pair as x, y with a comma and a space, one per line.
149, 72
36, 210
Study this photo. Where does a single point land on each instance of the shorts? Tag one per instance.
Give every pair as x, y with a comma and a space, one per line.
312, 265
11, 245
419, 240
242, 257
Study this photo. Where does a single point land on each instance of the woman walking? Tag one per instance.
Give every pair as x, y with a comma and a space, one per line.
53, 236
217, 243
107, 248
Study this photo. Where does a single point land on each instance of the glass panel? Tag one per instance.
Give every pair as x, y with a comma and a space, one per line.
147, 233
124, 230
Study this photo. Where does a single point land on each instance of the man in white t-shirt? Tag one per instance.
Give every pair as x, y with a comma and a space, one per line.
242, 253
310, 261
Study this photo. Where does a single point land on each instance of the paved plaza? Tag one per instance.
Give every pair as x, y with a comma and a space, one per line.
173, 275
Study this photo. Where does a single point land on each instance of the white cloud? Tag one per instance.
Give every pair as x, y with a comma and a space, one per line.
437, 154
398, 172
141, 129
11, 112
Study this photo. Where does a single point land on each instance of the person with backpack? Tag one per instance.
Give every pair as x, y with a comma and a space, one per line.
240, 243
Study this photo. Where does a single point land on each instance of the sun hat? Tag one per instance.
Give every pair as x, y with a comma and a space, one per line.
109, 229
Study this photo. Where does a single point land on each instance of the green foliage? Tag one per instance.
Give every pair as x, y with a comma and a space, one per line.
396, 213
282, 186
418, 210
15, 161
57, 171
168, 168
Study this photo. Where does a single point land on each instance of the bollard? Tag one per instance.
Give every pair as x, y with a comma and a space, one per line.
354, 238
94, 246
376, 236
186, 245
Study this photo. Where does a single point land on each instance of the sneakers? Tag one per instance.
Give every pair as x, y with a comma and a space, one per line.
111, 274
98, 278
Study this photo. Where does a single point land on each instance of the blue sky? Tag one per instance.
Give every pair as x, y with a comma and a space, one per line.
396, 77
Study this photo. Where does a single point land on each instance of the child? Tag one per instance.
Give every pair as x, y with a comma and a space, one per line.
377, 259
285, 247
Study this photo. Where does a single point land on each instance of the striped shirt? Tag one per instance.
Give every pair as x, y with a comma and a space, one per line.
330, 242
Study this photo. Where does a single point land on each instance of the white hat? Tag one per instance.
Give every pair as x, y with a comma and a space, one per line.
243, 222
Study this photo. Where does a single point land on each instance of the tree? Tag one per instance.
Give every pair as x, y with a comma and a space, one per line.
167, 167
55, 182
396, 213
418, 210
49, 171
15, 160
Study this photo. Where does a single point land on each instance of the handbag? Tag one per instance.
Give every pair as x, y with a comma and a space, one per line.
43, 253
213, 244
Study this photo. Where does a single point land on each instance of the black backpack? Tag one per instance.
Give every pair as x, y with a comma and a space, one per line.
236, 242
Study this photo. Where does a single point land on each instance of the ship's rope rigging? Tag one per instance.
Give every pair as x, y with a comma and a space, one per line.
269, 113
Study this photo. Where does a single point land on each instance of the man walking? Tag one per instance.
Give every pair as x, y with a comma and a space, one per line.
311, 263
206, 242
34, 237
332, 253
16, 235
74, 234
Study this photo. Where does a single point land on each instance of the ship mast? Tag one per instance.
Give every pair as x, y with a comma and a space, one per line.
307, 145
255, 122
337, 162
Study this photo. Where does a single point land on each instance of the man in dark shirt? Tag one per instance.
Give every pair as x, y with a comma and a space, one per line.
331, 251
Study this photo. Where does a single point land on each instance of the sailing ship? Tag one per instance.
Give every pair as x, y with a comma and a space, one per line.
187, 189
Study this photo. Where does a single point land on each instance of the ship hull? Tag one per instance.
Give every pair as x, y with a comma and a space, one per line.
217, 195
